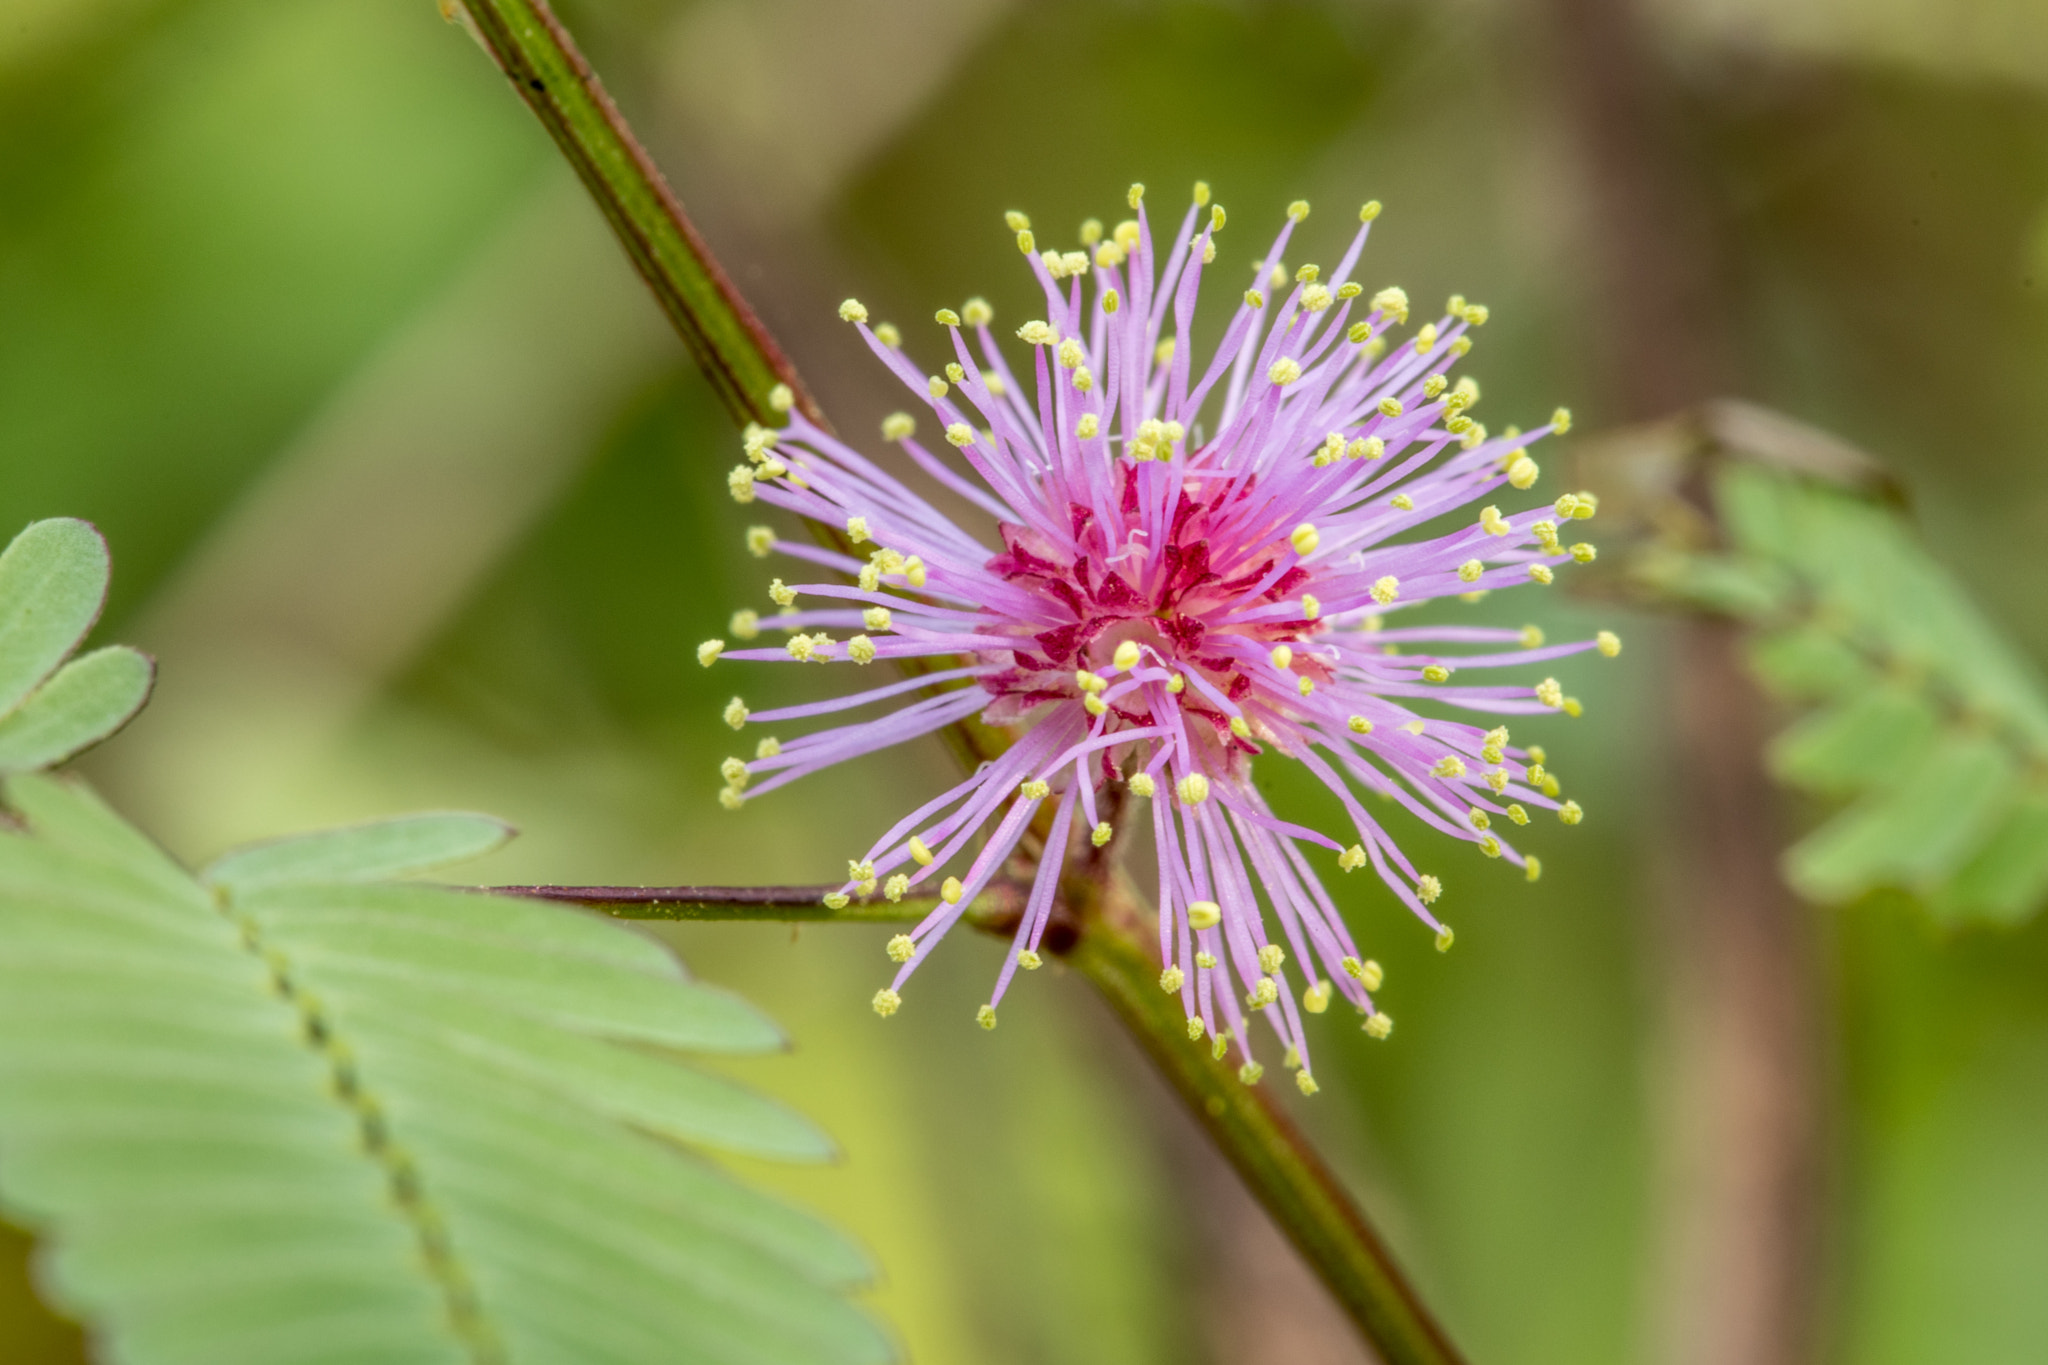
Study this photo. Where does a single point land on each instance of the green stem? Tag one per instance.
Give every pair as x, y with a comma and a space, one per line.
1301, 1194
743, 363
735, 351
771, 904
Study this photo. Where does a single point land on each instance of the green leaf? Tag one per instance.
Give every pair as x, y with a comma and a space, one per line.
53, 580
81, 704
299, 1118
1925, 717
377, 851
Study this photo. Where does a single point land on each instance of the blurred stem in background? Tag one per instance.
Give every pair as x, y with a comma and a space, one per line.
1743, 1126
1106, 942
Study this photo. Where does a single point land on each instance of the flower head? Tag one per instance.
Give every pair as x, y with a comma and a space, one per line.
1192, 564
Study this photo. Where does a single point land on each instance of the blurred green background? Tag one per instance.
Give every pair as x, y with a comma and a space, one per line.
419, 504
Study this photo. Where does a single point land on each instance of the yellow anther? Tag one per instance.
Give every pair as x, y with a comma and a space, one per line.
1532, 868
887, 1002
1254, 299
708, 652
1445, 938
1523, 472
1087, 426
1425, 338
1379, 1025
1217, 218
1584, 552
1550, 692
1460, 346
1470, 570
853, 310
1315, 298
1588, 505
1435, 385
1177, 684
781, 593
1390, 406
736, 713
1142, 784
1385, 589
1249, 1073
886, 333
1102, 834
1016, 221
1204, 915
986, 1016
1541, 573
870, 577
1089, 681
1413, 727
902, 948
857, 530
1393, 301
1192, 790
1171, 980
1359, 725
1497, 778
1091, 231
960, 434
1036, 789
1360, 333
1037, 333
1532, 637
1352, 858
1478, 818
876, 618
1304, 539
1298, 210
1401, 502
1608, 643
951, 891
1163, 352
1537, 773
920, 852
1127, 655
934, 386
1285, 370
1518, 814
734, 771
1265, 991
731, 798
1428, 889
1272, 957
1546, 535
1282, 656
1561, 421
1571, 813
1311, 606
1026, 243
1136, 195
1493, 523
1466, 392
1435, 673
913, 571
1316, 998
896, 886
1370, 211
1240, 727
1195, 1030
741, 483
1450, 765
977, 313
1205, 960
861, 649
1304, 685
781, 398
1071, 354
769, 747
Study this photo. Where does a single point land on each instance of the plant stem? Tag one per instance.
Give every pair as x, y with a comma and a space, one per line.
1301, 1194
771, 904
728, 341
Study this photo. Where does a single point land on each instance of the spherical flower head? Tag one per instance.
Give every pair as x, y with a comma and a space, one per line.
1184, 553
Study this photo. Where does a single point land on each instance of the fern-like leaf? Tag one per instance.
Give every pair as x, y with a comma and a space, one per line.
282, 1115
1924, 719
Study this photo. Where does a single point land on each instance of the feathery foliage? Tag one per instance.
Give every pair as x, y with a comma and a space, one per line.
1924, 721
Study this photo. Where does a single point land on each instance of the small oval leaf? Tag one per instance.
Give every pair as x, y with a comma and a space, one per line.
53, 580
83, 702
361, 853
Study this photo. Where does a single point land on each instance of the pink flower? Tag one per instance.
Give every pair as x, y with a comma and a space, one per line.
1196, 565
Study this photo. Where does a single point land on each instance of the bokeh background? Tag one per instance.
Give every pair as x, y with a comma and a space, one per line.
419, 504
